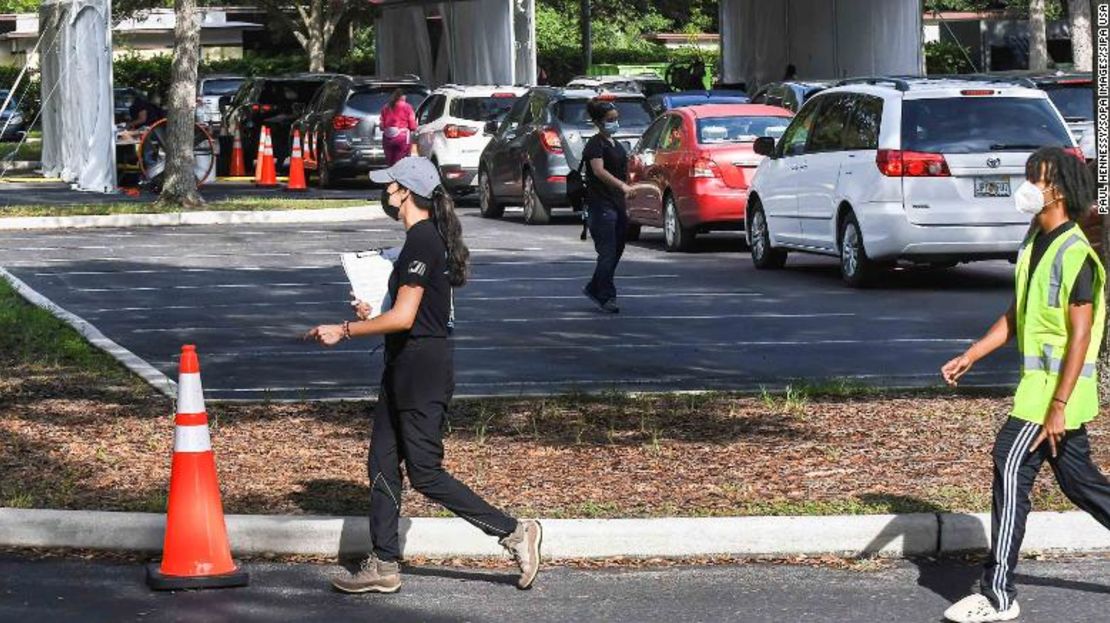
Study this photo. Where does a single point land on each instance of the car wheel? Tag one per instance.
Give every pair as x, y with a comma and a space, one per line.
535, 212
857, 269
676, 237
487, 203
764, 256
632, 232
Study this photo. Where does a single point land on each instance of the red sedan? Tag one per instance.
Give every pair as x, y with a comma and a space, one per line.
691, 170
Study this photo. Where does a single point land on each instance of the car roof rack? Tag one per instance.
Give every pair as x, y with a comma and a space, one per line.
898, 83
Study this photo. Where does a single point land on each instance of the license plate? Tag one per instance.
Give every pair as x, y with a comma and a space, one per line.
994, 186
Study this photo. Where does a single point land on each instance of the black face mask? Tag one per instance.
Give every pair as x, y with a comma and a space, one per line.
390, 211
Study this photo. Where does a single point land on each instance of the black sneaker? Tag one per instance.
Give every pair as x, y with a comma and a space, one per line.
590, 295
610, 306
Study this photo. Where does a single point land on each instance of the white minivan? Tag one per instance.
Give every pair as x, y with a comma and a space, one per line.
878, 171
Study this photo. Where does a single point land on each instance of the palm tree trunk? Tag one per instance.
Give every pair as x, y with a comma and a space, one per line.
180, 185
1038, 38
1079, 14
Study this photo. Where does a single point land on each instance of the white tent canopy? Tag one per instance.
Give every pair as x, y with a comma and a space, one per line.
823, 39
78, 137
480, 42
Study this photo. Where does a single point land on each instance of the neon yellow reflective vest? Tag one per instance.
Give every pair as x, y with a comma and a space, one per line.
1042, 328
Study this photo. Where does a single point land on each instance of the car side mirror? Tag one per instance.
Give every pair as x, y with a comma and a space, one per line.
764, 146
491, 126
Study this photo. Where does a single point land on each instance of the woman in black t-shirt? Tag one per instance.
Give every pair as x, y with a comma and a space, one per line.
418, 381
606, 190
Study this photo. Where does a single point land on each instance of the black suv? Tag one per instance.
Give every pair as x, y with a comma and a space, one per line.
540, 141
339, 127
274, 102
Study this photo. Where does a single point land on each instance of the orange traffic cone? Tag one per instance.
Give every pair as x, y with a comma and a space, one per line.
269, 171
258, 155
296, 165
238, 166
196, 552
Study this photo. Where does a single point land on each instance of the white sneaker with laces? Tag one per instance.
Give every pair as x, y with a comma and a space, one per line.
978, 609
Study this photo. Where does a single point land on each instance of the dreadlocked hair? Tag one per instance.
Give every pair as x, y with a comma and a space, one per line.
446, 222
1068, 174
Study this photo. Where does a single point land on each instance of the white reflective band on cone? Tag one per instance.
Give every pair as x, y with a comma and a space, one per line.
190, 396
191, 439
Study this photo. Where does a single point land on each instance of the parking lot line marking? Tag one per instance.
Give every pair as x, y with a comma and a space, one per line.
569, 278
579, 297
222, 286
130, 360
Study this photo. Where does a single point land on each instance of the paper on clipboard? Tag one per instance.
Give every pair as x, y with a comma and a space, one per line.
368, 272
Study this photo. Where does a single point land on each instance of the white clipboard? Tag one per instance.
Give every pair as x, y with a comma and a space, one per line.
368, 272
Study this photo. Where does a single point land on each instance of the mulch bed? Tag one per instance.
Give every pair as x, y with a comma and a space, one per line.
63, 446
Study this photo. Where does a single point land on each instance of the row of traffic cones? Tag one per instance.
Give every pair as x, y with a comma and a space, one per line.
196, 552
265, 169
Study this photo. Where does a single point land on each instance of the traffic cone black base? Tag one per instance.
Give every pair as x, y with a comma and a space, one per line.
159, 581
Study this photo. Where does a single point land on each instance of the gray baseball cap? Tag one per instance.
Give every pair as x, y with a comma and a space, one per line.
415, 173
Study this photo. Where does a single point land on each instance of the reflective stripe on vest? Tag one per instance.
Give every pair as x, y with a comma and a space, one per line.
1050, 364
1056, 277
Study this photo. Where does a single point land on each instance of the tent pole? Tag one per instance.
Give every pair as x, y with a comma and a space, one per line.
587, 37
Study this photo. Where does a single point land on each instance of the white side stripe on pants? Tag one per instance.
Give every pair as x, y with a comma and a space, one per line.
1014, 460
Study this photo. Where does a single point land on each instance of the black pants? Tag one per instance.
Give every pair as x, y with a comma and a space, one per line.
1015, 470
408, 425
608, 225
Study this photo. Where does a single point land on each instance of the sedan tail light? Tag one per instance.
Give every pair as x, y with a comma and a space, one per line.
458, 131
704, 167
343, 122
549, 138
898, 163
261, 107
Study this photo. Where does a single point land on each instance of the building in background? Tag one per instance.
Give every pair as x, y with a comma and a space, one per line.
995, 41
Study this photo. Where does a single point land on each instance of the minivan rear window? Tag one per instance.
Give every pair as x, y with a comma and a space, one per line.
222, 86
966, 125
373, 100
633, 112
1075, 101
739, 129
482, 108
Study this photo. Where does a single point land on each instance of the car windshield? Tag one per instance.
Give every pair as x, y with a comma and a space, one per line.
1075, 101
482, 108
633, 113
373, 100
739, 129
220, 86
967, 125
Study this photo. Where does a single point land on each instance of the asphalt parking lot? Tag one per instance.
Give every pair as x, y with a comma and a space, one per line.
702, 321
29, 191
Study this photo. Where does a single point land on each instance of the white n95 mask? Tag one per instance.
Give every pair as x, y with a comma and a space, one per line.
1029, 198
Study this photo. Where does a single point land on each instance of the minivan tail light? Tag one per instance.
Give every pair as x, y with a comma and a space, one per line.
977, 92
898, 163
704, 168
504, 95
261, 107
550, 140
458, 131
1077, 152
344, 122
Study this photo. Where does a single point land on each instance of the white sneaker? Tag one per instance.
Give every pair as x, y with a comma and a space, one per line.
978, 609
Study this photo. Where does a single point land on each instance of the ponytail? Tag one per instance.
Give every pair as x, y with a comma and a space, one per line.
447, 223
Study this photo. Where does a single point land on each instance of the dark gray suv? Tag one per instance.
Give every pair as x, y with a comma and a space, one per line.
539, 142
339, 127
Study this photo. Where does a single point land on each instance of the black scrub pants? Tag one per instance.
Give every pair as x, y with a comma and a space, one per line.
1015, 471
608, 225
408, 425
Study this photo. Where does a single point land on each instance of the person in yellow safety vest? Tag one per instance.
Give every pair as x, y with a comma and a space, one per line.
1058, 314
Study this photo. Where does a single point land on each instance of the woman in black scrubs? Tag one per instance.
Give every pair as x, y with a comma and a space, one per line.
606, 190
418, 381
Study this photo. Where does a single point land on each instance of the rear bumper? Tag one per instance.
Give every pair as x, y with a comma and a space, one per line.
888, 235
458, 178
361, 159
716, 207
552, 190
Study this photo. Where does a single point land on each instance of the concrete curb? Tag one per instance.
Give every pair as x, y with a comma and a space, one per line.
889, 535
369, 212
130, 360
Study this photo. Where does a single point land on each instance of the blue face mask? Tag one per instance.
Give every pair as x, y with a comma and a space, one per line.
611, 127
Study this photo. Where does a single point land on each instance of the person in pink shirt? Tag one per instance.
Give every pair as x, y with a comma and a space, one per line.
398, 122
